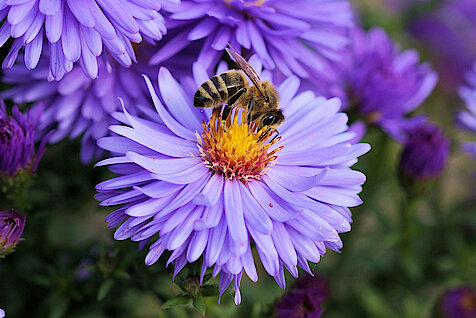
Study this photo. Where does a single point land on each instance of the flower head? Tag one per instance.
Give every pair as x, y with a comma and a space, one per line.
293, 37
381, 83
17, 141
467, 119
11, 229
305, 299
425, 152
459, 303
76, 104
195, 186
71, 31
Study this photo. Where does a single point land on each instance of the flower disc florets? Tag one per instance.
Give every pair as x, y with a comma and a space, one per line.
236, 150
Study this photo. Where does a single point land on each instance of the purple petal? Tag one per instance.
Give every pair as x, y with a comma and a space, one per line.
255, 215
234, 214
211, 193
197, 245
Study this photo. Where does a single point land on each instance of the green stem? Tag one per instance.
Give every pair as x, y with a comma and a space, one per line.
408, 228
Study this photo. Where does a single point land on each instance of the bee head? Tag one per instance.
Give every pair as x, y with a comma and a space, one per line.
271, 119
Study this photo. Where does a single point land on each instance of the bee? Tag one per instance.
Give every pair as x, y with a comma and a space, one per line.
261, 101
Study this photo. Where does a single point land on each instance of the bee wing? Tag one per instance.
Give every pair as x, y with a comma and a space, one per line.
246, 67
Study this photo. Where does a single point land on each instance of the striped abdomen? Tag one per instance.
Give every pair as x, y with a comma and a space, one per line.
219, 89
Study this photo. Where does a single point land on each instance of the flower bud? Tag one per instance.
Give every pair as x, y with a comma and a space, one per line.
11, 229
458, 303
424, 153
305, 299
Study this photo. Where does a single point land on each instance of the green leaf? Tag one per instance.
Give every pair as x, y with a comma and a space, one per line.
209, 290
199, 304
121, 274
104, 289
59, 306
176, 301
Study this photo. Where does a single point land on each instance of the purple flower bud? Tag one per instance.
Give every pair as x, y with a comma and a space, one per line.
459, 303
305, 300
11, 229
17, 141
425, 152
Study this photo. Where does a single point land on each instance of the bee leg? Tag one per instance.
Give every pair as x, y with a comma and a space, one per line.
226, 111
264, 134
277, 134
216, 112
250, 108
233, 99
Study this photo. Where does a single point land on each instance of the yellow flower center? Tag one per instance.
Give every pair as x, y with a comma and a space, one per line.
237, 150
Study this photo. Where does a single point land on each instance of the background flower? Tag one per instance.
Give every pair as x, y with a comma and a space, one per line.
71, 31
17, 141
380, 83
458, 303
293, 209
425, 152
467, 119
448, 36
286, 39
76, 104
11, 229
305, 300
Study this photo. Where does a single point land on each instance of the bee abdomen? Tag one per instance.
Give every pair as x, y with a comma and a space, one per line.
234, 81
218, 89
208, 95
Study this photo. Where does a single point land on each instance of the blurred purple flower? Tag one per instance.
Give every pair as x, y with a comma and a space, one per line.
459, 303
78, 30
295, 37
290, 197
448, 34
84, 271
17, 141
78, 105
2, 313
305, 299
425, 152
381, 83
467, 119
11, 229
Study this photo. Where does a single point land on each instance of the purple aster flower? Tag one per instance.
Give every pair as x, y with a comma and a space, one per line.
2, 313
381, 83
467, 119
11, 229
210, 188
449, 35
293, 37
458, 303
78, 105
78, 30
17, 141
425, 152
305, 299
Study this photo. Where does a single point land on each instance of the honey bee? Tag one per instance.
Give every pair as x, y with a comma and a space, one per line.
231, 88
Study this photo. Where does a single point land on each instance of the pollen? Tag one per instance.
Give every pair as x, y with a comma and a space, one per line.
237, 150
